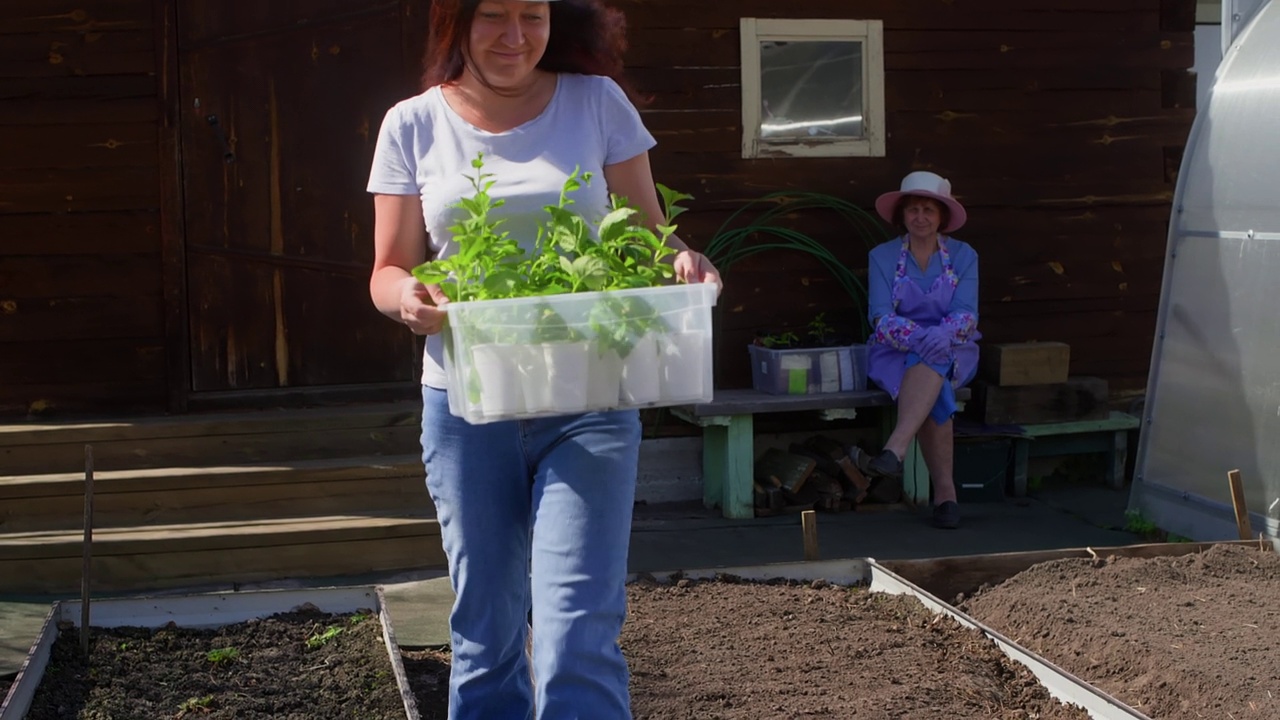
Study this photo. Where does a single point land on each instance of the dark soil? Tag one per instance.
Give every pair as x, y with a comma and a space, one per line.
725, 651
428, 675
275, 670
5, 683
1179, 638
721, 650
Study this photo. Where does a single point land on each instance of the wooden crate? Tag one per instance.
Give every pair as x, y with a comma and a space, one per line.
1029, 363
1080, 398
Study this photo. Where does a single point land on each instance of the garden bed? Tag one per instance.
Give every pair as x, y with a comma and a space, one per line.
215, 662
1179, 637
725, 648
729, 650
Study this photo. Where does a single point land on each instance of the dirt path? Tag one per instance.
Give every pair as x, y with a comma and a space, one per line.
1180, 638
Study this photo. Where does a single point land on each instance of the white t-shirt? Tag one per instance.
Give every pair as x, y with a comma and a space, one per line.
425, 148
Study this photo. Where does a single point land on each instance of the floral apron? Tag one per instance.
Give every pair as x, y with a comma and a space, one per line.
886, 364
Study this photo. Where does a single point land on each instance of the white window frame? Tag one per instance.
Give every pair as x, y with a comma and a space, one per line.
869, 32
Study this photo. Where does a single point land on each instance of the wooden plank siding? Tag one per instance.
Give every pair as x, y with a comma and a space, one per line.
81, 318
1060, 122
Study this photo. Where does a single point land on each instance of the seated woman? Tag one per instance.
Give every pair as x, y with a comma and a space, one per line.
923, 305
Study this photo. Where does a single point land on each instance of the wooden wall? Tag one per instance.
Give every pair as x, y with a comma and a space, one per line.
1060, 123
81, 311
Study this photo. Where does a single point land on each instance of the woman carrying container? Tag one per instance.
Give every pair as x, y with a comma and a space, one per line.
535, 515
923, 306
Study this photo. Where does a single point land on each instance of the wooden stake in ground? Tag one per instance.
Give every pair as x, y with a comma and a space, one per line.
1237, 502
809, 523
87, 550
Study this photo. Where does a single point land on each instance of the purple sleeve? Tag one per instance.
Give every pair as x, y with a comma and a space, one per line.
960, 325
962, 319
895, 331
889, 329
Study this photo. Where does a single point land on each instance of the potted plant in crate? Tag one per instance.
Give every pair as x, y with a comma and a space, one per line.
819, 359
488, 265
549, 341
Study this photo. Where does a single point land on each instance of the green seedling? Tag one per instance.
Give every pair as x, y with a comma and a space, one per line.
222, 655
319, 639
487, 262
358, 618
1138, 524
819, 330
780, 341
194, 705
570, 255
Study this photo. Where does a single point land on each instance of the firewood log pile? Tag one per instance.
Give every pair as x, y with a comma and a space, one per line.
816, 474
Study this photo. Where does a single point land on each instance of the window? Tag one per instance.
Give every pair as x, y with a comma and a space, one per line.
812, 88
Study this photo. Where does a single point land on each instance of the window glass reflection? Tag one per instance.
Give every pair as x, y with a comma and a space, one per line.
811, 89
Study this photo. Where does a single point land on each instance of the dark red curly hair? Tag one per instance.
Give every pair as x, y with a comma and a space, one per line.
587, 37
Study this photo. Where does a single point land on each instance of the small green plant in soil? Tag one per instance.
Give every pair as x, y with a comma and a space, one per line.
817, 333
778, 341
1138, 524
222, 656
319, 639
195, 705
820, 332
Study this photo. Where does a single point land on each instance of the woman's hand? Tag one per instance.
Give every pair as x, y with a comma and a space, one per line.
694, 267
934, 345
422, 307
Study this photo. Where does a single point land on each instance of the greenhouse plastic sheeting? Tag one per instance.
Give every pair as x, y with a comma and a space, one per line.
1213, 402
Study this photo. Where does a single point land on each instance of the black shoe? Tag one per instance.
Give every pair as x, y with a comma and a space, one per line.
947, 515
886, 464
860, 458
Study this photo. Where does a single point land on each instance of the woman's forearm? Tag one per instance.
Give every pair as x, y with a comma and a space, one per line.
895, 331
960, 324
386, 288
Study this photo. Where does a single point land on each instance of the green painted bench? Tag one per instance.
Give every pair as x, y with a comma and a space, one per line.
728, 439
1110, 436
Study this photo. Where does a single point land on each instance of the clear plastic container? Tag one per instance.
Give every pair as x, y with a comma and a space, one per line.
581, 352
808, 371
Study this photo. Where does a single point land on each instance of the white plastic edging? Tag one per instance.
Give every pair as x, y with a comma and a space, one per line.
1061, 684
215, 609
397, 662
15, 705
199, 611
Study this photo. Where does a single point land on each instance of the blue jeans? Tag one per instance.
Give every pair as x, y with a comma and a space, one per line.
535, 514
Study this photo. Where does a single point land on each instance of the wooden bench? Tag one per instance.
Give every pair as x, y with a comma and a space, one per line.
728, 439
1110, 436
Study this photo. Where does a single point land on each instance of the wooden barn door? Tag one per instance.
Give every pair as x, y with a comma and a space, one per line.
281, 104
